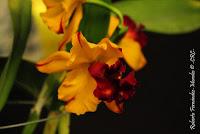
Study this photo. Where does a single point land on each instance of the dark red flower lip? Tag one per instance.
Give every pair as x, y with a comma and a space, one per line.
111, 85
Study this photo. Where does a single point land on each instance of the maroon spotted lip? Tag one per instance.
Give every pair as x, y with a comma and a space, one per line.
111, 85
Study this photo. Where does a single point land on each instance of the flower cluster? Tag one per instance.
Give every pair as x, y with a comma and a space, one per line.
95, 72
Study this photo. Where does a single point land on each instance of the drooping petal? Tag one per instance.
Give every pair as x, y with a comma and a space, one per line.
135, 31
57, 62
53, 17
114, 107
72, 28
132, 53
85, 52
77, 90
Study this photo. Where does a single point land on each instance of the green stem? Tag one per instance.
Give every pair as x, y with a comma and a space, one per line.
111, 8
51, 125
31, 122
64, 124
44, 96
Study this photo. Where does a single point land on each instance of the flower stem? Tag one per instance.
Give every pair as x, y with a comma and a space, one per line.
44, 96
110, 7
32, 122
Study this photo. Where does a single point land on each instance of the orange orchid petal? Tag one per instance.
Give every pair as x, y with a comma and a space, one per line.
72, 28
53, 18
85, 52
114, 22
56, 62
111, 52
51, 3
77, 90
58, 13
132, 53
114, 107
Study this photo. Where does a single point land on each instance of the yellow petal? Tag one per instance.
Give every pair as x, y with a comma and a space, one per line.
114, 22
112, 106
73, 27
70, 4
111, 52
57, 62
85, 52
53, 17
69, 7
132, 53
51, 3
77, 90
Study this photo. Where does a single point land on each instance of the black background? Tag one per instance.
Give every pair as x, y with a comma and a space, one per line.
161, 104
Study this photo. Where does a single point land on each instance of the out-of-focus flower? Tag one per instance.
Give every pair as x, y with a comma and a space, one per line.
78, 86
47, 39
63, 16
131, 43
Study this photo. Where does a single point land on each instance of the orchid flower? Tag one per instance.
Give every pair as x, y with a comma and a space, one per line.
63, 16
80, 83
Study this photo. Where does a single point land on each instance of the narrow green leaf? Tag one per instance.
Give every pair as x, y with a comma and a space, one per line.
95, 22
21, 15
163, 16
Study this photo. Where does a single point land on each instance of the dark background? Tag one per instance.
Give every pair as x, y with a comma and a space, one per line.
161, 104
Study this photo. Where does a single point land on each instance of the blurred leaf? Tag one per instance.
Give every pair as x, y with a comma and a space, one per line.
95, 22
21, 16
28, 78
163, 16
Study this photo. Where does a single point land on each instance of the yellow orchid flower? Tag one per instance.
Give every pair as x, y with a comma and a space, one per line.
63, 16
79, 84
131, 43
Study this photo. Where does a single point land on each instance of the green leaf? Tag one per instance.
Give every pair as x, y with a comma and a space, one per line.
163, 16
21, 15
95, 22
